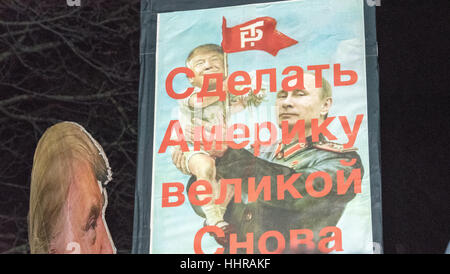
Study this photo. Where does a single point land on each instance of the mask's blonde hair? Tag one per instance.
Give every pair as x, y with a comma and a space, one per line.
59, 147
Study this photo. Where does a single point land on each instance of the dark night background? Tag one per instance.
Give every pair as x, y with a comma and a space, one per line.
413, 39
82, 64
61, 63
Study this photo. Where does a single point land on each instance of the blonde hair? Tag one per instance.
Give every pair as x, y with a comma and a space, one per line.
56, 151
204, 48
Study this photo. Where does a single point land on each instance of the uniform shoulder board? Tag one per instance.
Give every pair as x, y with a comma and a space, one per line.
334, 147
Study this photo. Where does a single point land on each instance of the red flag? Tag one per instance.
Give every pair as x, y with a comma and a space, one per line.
257, 34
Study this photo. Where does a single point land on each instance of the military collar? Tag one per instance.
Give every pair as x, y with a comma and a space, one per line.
288, 151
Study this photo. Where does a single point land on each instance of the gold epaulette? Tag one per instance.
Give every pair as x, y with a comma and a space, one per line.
330, 146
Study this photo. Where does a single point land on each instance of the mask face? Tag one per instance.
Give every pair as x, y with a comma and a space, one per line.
81, 227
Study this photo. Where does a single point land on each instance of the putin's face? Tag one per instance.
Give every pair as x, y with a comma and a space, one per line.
206, 62
81, 227
305, 104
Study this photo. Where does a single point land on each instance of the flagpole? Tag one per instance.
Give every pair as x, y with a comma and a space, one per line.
227, 98
225, 63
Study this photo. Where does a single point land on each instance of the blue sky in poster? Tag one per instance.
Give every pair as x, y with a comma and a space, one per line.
327, 31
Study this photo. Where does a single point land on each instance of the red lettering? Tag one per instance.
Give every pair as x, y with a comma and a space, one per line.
309, 184
166, 193
318, 73
169, 83
316, 130
232, 83
298, 77
338, 73
199, 235
167, 141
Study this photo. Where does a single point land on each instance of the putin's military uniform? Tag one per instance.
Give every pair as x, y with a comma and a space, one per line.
289, 213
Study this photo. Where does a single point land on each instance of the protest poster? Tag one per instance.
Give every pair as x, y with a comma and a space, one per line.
258, 129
